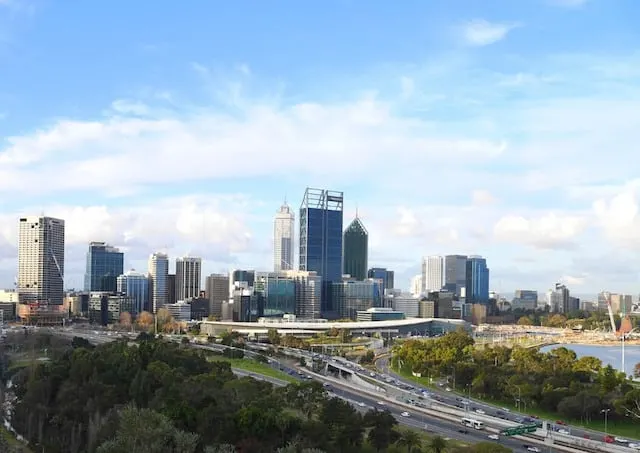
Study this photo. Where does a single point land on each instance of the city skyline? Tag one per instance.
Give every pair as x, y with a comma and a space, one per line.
526, 110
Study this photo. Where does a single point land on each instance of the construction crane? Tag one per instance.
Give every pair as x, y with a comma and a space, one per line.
614, 330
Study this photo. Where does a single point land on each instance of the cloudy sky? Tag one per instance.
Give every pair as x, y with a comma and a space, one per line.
504, 128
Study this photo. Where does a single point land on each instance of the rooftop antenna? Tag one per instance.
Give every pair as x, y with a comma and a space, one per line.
356, 210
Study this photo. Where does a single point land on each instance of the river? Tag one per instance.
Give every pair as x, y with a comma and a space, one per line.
610, 355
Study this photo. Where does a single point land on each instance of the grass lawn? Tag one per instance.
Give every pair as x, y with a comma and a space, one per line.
254, 366
621, 428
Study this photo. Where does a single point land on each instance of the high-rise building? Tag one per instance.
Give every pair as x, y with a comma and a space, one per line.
455, 274
171, 289
560, 299
355, 248
188, 277
352, 296
432, 274
477, 280
278, 290
416, 285
158, 276
309, 289
525, 299
283, 239
382, 273
41, 260
136, 286
104, 264
217, 289
321, 238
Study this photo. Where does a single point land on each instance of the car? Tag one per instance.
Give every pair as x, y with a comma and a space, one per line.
361, 404
560, 422
621, 440
480, 411
381, 403
405, 414
608, 439
448, 389
532, 448
563, 431
493, 437
635, 446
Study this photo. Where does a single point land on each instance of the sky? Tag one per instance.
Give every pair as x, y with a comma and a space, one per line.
502, 128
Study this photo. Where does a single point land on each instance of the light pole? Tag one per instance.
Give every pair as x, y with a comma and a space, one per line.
606, 417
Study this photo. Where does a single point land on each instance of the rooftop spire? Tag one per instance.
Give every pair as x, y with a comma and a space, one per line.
356, 210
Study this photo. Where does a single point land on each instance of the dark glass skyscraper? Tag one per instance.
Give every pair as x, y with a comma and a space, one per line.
321, 238
477, 284
104, 264
383, 274
355, 250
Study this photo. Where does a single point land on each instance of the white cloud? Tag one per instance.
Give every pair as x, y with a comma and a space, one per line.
480, 32
551, 231
619, 215
481, 197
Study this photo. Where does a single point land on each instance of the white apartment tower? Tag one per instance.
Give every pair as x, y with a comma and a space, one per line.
41, 260
188, 277
158, 276
283, 234
432, 273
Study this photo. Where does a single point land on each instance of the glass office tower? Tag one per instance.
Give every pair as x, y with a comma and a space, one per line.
321, 238
477, 280
104, 264
356, 250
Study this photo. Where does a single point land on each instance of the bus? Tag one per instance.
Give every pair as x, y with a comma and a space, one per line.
471, 423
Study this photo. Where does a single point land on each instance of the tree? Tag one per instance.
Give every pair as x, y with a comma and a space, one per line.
145, 320
163, 317
221, 448
274, 336
629, 404
146, 431
525, 321
125, 319
409, 439
382, 432
437, 444
636, 371
368, 357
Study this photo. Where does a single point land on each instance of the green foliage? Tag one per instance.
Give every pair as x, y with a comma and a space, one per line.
232, 353
556, 381
368, 357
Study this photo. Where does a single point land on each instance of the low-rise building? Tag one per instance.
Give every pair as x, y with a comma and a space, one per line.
379, 314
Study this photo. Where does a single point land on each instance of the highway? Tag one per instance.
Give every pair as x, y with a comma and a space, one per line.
360, 400
455, 399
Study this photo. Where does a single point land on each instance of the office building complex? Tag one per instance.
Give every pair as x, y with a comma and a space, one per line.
309, 287
477, 280
41, 261
188, 277
217, 291
106, 308
525, 299
321, 238
455, 274
355, 250
559, 299
283, 239
382, 273
135, 285
278, 291
158, 276
432, 274
351, 296
104, 264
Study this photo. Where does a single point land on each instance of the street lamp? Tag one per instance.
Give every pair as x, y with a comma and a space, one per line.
606, 416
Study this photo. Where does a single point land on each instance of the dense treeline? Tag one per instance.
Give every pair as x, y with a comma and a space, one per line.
556, 381
160, 397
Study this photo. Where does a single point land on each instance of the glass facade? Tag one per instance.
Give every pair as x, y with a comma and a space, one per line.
477, 281
279, 294
321, 238
350, 297
355, 250
383, 274
136, 286
104, 265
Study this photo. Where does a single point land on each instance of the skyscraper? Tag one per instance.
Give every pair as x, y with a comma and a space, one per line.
217, 289
283, 233
104, 264
382, 273
455, 274
188, 276
41, 260
136, 286
477, 276
321, 238
158, 276
432, 274
355, 250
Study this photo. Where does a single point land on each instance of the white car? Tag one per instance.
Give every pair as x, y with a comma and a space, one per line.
480, 411
563, 431
634, 445
405, 414
621, 440
493, 437
381, 403
448, 389
533, 449
361, 404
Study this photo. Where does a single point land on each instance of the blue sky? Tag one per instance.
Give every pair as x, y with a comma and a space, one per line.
502, 128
